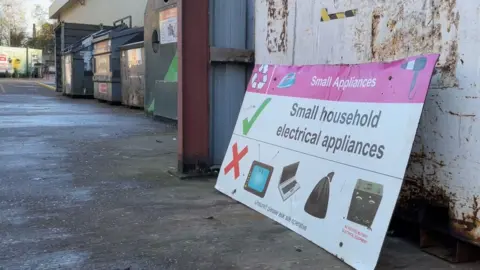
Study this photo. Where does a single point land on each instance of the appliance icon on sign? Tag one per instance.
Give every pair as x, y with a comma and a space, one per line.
258, 179
317, 202
416, 66
366, 199
288, 184
288, 80
260, 77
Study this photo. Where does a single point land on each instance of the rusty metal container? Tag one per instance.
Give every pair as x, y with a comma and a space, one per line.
132, 67
77, 68
444, 162
106, 54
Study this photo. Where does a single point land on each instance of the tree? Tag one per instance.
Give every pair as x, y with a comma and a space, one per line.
17, 39
40, 14
12, 22
45, 31
44, 38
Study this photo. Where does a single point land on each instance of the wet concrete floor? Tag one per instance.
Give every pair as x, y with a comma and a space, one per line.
84, 185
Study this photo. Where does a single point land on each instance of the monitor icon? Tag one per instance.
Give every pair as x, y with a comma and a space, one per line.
258, 179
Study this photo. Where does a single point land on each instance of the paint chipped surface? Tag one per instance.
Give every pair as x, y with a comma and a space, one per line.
401, 30
443, 168
411, 27
277, 21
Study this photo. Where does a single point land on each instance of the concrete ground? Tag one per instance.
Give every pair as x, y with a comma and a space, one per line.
83, 185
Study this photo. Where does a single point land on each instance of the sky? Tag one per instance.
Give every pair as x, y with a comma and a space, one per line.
29, 7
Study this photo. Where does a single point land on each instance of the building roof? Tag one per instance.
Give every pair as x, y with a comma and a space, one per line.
58, 6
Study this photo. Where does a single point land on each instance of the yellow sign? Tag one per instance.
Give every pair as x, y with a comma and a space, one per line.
16, 63
134, 57
102, 64
102, 47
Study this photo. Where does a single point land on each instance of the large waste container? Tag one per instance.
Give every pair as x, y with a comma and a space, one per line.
77, 66
161, 59
65, 35
106, 53
133, 74
441, 190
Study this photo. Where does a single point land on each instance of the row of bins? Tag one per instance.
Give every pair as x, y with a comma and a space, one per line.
78, 69
107, 65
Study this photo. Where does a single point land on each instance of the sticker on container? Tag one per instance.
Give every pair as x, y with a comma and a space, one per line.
134, 57
102, 88
168, 26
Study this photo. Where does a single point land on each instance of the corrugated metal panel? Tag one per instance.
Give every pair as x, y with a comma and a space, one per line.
444, 163
228, 29
251, 24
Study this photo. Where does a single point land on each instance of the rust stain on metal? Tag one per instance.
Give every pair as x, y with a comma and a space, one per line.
424, 188
469, 224
391, 24
415, 193
452, 17
419, 157
407, 34
277, 21
448, 75
448, 69
439, 107
461, 115
375, 23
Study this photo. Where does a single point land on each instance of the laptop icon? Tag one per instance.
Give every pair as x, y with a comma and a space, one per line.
288, 184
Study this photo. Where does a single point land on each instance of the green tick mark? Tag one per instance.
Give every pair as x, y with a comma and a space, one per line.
247, 124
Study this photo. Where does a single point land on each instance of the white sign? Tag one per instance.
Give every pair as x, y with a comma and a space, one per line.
168, 26
323, 149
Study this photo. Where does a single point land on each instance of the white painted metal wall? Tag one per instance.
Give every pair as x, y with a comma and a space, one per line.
98, 11
445, 161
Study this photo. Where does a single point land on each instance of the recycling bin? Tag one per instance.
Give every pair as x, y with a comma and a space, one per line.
132, 66
77, 66
106, 55
161, 59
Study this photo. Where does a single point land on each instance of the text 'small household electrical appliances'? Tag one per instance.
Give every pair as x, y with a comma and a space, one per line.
321, 151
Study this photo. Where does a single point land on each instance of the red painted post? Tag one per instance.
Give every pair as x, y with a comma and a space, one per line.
193, 93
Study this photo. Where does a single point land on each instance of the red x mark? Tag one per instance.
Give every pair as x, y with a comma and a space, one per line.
235, 164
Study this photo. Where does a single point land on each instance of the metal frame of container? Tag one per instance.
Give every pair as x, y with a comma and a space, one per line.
106, 55
133, 74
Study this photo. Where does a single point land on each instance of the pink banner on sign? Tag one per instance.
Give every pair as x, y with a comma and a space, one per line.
401, 81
